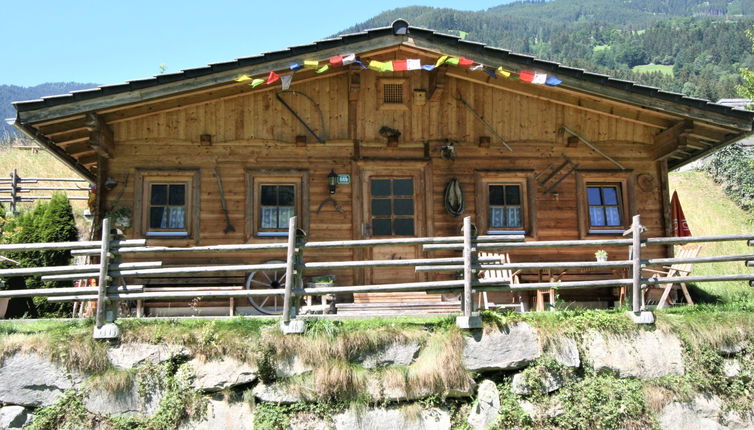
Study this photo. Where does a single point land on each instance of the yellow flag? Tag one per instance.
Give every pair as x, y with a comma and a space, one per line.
323, 69
376, 65
441, 60
311, 64
256, 82
243, 78
502, 72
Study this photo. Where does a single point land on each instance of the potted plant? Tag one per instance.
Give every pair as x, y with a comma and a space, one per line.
601, 255
120, 216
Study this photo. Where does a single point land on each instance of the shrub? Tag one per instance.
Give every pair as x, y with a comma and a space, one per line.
733, 168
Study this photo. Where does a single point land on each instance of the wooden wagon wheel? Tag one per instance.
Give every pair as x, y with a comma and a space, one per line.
259, 280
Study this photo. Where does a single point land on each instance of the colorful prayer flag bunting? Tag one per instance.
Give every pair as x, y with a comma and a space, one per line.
453, 61
336, 61
477, 67
375, 65
323, 69
296, 67
413, 64
311, 64
387, 66
400, 65
272, 77
285, 80
502, 72
526, 76
256, 82
360, 64
348, 59
441, 60
539, 78
465, 62
429, 67
553, 81
243, 78
490, 72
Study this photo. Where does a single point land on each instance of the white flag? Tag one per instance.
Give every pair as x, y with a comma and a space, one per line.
348, 59
539, 78
286, 81
413, 64
477, 67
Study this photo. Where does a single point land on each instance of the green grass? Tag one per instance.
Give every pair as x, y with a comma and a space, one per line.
649, 68
599, 48
709, 212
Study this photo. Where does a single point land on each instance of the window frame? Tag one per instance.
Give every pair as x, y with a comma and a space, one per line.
145, 178
255, 179
523, 179
392, 198
623, 182
381, 82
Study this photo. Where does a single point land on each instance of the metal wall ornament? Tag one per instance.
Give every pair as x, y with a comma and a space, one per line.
448, 151
454, 202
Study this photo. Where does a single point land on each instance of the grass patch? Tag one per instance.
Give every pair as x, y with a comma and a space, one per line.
649, 68
599, 48
710, 212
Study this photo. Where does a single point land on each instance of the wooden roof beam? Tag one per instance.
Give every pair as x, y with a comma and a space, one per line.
100, 135
668, 141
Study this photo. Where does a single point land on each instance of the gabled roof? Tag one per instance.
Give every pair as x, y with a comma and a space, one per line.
78, 103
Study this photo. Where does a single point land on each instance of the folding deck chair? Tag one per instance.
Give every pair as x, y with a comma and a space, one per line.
680, 269
503, 276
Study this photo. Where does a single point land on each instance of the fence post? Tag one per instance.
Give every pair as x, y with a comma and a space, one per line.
13, 192
638, 313
105, 327
292, 276
469, 319
750, 263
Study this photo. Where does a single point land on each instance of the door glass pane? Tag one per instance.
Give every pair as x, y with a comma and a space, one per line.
380, 187
597, 217
159, 195
610, 196
381, 227
512, 195
269, 195
177, 195
381, 207
403, 207
403, 187
404, 226
496, 195
593, 196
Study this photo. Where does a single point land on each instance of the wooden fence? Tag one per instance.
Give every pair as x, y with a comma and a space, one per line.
16, 190
111, 289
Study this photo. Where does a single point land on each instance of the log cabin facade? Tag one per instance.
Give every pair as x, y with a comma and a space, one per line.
571, 161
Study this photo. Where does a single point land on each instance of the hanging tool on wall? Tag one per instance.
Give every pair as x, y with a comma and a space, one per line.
228, 227
301, 120
592, 146
334, 203
485, 123
454, 203
552, 176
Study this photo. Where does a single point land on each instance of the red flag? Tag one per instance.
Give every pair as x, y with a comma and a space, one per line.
272, 77
400, 65
465, 62
526, 76
680, 226
336, 61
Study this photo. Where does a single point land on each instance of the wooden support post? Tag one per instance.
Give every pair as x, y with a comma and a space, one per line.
638, 314
14, 192
105, 316
469, 320
288, 325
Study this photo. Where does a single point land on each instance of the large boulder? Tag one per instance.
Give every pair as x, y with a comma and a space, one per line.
223, 413
291, 365
702, 413
546, 382
217, 375
129, 355
14, 417
565, 351
380, 390
486, 408
646, 354
391, 419
123, 402
393, 354
29, 379
511, 348
278, 392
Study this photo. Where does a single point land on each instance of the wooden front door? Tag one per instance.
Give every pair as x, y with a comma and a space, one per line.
393, 206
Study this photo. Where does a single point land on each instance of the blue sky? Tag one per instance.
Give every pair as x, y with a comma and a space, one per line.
113, 41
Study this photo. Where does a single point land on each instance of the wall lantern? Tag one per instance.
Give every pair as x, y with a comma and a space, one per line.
332, 181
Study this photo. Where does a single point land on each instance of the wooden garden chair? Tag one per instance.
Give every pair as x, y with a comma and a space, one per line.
501, 275
681, 269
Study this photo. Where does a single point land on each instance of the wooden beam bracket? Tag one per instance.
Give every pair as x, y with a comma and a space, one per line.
100, 135
592, 146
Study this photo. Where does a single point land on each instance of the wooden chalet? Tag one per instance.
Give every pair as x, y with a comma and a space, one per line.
534, 147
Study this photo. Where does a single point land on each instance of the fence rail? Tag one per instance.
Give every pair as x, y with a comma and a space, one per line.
17, 189
111, 288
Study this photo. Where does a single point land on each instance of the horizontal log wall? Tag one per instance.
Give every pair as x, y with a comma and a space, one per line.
254, 131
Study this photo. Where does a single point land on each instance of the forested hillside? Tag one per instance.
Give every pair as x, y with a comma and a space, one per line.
690, 46
12, 93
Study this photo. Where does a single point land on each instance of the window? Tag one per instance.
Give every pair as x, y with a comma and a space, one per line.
504, 203
168, 205
274, 196
392, 206
604, 206
604, 202
393, 94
